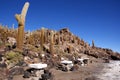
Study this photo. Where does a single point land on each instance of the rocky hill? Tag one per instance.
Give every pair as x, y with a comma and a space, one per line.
63, 43
47, 46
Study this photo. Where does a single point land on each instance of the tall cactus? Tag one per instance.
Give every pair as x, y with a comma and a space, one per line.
52, 43
21, 23
42, 35
70, 49
58, 39
93, 45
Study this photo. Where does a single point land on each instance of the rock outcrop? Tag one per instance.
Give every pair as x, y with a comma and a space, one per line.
65, 43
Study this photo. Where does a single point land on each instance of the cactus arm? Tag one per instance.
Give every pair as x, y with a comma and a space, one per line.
24, 11
18, 18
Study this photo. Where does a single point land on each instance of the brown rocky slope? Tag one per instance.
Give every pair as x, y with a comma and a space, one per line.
64, 42
60, 43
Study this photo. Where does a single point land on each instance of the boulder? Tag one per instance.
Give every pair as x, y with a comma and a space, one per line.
47, 75
10, 65
22, 64
26, 74
3, 65
11, 40
38, 65
39, 73
75, 67
11, 43
67, 65
16, 71
64, 68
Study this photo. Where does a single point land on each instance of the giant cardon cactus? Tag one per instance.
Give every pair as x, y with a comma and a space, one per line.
21, 24
93, 45
52, 43
42, 35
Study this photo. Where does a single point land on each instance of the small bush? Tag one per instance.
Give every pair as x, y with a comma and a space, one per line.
13, 56
10, 55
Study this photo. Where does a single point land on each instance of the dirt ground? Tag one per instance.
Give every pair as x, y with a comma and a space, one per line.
83, 73
111, 71
87, 72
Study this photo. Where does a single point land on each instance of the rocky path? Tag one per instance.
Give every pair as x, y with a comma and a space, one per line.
111, 71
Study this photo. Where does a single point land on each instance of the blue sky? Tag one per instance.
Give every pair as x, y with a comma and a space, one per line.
97, 20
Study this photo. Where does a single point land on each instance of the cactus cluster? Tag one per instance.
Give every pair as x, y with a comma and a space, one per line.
5, 33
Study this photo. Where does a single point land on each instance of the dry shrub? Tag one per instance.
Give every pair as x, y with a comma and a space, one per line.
13, 57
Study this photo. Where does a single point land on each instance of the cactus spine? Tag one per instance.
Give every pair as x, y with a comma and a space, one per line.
21, 23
